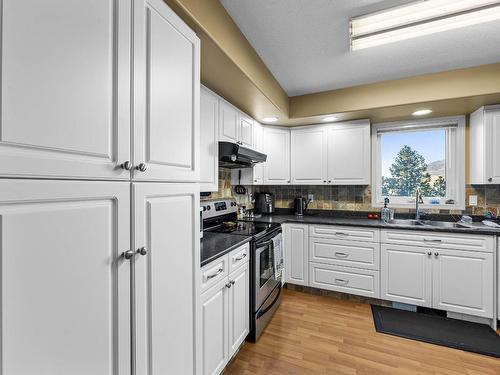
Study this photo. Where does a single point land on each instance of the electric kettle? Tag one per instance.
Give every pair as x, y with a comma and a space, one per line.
300, 205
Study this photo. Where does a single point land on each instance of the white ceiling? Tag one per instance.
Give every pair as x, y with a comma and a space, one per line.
305, 44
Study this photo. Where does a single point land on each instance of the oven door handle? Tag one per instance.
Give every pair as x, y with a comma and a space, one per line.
263, 244
260, 313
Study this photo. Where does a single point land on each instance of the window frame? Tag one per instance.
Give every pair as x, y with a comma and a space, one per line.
455, 162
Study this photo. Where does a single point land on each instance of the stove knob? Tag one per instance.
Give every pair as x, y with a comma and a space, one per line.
208, 208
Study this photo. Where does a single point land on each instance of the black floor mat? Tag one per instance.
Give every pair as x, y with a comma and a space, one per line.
453, 333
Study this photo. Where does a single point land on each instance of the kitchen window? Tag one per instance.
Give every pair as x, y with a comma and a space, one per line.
427, 154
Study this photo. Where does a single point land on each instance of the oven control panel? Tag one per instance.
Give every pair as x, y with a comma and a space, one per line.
217, 208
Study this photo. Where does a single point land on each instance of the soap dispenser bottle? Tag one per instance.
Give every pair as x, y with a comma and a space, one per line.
385, 213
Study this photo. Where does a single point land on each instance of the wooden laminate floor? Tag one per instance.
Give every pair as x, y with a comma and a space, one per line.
312, 334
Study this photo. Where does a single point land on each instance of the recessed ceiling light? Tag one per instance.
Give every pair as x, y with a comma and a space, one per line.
329, 119
419, 18
270, 119
422, 112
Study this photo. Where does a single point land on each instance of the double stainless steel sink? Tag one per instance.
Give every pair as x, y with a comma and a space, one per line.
426, 223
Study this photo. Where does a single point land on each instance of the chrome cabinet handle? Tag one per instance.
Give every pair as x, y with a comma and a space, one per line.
490, 179
243, 256
129, 254
432, 240
126, 165
340, 234
429, 253
341, 255
329, 181
141, 167
228, 285
219, 271
341, 281
436, 254
324, 181
143, 251
232, 282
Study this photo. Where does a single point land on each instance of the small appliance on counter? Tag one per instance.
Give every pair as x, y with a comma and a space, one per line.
300, 205
264, 203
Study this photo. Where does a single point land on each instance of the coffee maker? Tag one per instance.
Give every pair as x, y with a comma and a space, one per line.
300, 205
264, 203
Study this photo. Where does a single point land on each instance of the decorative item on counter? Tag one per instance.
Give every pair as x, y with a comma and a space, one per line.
437, 201
373, 216
385, 213
490, 215
449, 201
466, 219
241, 211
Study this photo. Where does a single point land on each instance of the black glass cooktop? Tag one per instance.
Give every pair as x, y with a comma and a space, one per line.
243, 228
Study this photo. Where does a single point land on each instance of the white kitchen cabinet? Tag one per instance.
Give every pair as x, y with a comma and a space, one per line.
255, 175
309, 155
277, 149
228, 122
65, 285
484, 140
296, 253
65, 83
209, 141
214, 312
167, 231
239, 307
166, 95
463, 282
406, 274
246, 125
349, 153
224, 309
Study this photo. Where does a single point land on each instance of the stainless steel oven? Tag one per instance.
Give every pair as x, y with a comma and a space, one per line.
266, 284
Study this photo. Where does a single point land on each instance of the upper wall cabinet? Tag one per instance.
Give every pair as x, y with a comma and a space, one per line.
166, 95
65, 82
484, 141
235, 126
337, 154
309, 155
277, 148
349, 153
209, 140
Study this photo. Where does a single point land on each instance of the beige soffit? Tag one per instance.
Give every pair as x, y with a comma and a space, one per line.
232, 68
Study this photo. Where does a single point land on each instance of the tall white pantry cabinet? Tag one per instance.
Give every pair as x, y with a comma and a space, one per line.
99, 192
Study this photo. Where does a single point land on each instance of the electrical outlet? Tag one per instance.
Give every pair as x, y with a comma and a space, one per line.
310, 197
472, 200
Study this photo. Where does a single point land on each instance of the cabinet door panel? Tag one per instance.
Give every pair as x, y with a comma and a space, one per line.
228, 122
214, 318
167, 225
406, 275
463, 282
246, 131
309, 156
277, 149
167, 90
492, 118
65, 81
238, 309
350, 141
209, 141
296, 254
65, 287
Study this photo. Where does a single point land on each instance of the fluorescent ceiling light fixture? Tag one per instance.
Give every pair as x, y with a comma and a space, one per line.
270, 119
329, 119
422, 112
419, 18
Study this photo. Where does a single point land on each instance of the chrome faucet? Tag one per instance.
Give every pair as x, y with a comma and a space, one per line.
418, 200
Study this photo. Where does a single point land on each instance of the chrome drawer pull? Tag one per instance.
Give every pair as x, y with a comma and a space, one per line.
240, 258
219, 271
341, 281
432, 240
341, 255
340, 234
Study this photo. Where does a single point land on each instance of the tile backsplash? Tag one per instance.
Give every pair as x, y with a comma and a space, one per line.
350, 198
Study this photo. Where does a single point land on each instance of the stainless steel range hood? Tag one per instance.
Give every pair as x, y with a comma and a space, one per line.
232, 155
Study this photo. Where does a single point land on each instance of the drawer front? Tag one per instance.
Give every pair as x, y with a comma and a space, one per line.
214, 272
345, 279
340, 232
239, 257
456, 241
345, 253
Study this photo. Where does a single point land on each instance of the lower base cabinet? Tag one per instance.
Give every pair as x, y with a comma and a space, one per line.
224, 319
295, 240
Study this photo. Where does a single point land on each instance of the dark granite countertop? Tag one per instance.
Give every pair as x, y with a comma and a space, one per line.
215, 245
329, 219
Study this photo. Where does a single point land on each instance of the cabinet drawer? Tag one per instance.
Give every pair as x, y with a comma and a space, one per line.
214, 272
344, 253
238, 257
339, 232
456, 241
344, 279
